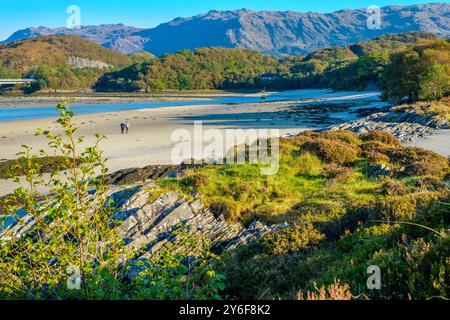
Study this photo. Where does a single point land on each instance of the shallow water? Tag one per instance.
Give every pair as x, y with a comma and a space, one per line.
9, 114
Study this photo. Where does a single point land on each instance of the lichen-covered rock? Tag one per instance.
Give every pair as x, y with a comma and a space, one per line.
406, 126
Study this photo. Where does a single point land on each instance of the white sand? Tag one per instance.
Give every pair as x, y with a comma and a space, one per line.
439, 143
149, 139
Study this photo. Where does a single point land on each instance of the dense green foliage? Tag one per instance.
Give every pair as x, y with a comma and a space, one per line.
390, 42
206, 68
421, 72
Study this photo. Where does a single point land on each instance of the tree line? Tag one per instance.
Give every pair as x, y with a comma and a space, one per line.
418, 71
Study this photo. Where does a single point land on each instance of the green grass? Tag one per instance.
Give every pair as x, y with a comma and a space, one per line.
301, 180
14, 168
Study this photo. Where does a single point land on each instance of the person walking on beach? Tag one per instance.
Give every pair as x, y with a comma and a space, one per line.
122, 127
127, 126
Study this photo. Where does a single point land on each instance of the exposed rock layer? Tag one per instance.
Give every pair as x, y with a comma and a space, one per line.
406, 126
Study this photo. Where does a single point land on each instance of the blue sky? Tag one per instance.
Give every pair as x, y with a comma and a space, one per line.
19, 14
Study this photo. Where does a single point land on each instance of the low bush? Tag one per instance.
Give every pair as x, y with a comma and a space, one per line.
194, 180
226, 207
431, 166
372, 147
341, 135
381, 136
377, 158
394, 208
290, 239
393, 188
415, 269
331, 151
335, 291
416, 161
309, 164
405, 207
429, 183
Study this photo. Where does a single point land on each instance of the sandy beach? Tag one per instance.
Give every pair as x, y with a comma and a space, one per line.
439, 143
149, 139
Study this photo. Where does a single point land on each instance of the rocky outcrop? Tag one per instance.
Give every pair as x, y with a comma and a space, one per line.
406, 126
82, 63
378, 170
147, 225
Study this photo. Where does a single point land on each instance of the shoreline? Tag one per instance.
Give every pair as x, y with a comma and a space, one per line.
149, 141
22, 103
96, 98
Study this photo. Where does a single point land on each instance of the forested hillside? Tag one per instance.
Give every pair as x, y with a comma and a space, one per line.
376, 63
58, 62
205, 68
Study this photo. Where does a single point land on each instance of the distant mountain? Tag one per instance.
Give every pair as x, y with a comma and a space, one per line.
291, 32
112, 36
270, 32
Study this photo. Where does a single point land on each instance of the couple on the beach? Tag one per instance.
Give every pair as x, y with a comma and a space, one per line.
125, 127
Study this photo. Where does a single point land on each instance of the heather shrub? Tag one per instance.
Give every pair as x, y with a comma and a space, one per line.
335, 291
377, 158
430, 166
331, 151
405, 207
393, 208
308, 164
434, 210
429, 183
375, 147
337, 174
416, 161
342, 136
393, 188
415, 269
194, 180
381, 136
407, 156
292, 239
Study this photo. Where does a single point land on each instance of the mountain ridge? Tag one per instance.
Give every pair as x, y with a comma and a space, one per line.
269, 32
